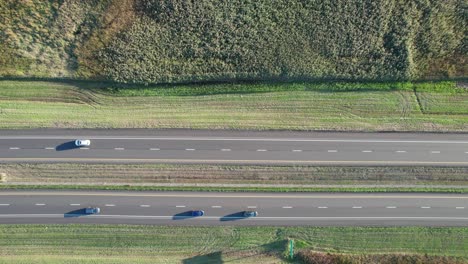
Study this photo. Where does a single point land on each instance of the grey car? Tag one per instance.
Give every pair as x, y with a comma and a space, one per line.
250, 213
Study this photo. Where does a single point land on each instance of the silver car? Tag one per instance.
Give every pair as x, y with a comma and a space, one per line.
92, 210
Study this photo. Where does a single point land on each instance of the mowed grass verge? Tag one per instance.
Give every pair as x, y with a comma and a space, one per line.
161, 244
440, 106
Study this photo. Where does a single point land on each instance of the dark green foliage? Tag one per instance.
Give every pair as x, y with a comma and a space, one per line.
311, 257
157, 41
185, 41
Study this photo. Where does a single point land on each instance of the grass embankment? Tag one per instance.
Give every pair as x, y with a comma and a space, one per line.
233, 178
438, 106
207, 40
160, 244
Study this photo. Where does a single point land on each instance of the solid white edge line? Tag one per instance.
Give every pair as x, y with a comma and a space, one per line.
168, 217
242, 139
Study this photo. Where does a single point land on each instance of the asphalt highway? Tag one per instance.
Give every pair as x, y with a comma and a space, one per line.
173, 208
185, 146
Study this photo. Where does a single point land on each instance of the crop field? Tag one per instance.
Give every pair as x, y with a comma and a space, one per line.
438, 106
169, 41
141, 244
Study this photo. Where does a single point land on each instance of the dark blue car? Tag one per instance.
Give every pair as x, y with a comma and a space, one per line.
198, 213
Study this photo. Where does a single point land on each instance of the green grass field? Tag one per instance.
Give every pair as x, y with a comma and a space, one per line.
162, 244
298, 106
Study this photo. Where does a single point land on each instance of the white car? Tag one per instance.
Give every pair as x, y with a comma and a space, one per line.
82, 142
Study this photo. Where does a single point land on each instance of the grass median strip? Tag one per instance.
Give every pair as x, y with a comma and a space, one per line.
154, 174
440, 106
142, 244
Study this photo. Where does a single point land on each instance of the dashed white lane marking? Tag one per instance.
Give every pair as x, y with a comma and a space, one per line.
4, 204
49, 148
109, 205
391, 207
466, 152
367, 151
144, 205
435, 152
251, 207
180, 206
261, 150
332, 150
119, 148
154, 149
190, 149
14, 148
74, 204
322, 207
84, 148
400, 151
216, 206
425, 207
459, 207
357, 207
40, 204
225, 149
297, 150
287, 207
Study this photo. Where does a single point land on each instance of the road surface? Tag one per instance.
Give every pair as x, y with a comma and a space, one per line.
173, 208
228, 147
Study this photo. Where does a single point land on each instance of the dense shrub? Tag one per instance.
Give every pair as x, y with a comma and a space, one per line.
154, 41
311, 257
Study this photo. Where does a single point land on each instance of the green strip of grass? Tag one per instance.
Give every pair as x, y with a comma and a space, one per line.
439, 106
163, 244
240, 189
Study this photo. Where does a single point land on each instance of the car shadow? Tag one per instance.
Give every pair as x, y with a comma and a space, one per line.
66, 146
233, 217
183, 215
75, 213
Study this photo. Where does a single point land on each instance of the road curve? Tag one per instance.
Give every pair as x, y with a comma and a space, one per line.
173, 208
228, 147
